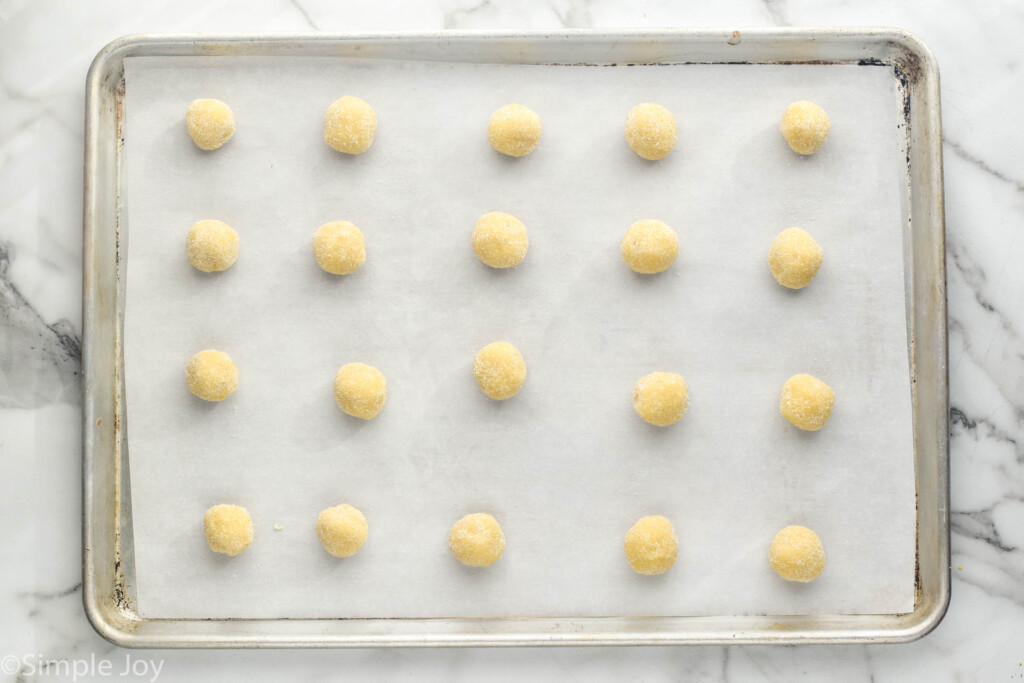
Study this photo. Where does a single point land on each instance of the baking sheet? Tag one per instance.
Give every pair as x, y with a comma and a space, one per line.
565, 466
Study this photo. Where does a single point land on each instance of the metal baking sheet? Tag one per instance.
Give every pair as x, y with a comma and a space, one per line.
545, 50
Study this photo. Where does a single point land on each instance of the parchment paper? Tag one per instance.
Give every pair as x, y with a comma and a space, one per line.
566, 466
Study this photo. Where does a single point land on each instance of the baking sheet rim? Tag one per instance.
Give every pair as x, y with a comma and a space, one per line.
123, 629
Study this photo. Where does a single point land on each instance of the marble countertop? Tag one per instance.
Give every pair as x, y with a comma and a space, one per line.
45, 49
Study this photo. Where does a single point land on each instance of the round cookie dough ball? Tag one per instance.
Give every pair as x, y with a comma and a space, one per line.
806, 402
339, 247
228, 529
661, 398
212, 246
476, 540
805, 126
342, 530
650, 246
211, 375
349, 125
210, 123
500, 240
360, 390
794, 258
500, 370
651, 131
651, 545
514, 130
796, 554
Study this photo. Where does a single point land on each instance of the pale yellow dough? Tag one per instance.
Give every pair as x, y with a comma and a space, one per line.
650, 246
228, 529
360, 390
212, 246
794, 258
339, 247
476, 540
342, 530
514, 130
805, 126
210, 123
500, 240
651, 131
652, 545
349, 125
500, 370
661, 398
211, 375
806, 402
796, 554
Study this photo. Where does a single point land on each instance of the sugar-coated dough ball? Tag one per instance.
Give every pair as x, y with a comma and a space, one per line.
651, 545
794, 258
651, 131
212, 246
210, 123
360, 390
796, 554
211, 375
500, 240
500, 370
476, 540
228, 529
349, 125
805, 126
339, 247
806, 402
342, 530
650, 246
661, 398
514, 130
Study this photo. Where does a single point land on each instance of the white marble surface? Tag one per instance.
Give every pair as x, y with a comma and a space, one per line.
45, 49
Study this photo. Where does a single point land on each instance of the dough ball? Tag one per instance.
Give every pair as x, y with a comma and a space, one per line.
805, 126
349, 125
211, 375
796, 554
339, 247
212, 246
500, 370
651, 545
210, 123
651, 131
661, 398
650, 246
514, 130
806, 402
360, 390
476, 540
500, 240
228, 529
342, 530
794, 258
